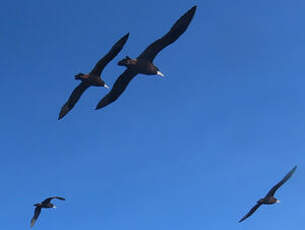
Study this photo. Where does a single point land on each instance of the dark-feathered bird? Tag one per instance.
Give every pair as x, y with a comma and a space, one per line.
144, 63
93, 78
269, 198
44, 204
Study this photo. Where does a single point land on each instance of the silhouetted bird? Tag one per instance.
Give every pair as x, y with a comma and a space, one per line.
44, 204
93, 78
269, 198
144, 63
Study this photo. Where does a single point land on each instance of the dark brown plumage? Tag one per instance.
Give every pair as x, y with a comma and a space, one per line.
144, 63
93, 78
269, 198
44, 204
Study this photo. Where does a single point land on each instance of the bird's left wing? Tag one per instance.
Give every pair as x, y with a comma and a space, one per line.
74, 97
250, 212
36, 215
118, 88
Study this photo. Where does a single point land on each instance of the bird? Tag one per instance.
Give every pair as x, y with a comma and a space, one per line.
93, 78
44, 204
144, 62
269, 198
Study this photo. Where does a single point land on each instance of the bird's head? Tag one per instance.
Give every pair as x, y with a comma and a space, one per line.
125, 62
38, 204
104, 84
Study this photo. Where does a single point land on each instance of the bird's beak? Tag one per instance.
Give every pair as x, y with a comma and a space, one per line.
160, 74
277, 201
106, 86
54, 206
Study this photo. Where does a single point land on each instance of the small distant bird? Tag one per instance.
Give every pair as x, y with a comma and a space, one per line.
93, 78
44, 204
144, 63
269, 198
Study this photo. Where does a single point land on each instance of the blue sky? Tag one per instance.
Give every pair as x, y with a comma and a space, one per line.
194, 150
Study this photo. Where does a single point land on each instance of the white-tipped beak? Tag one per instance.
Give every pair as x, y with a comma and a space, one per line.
277, 201
54, 206
160, 74
106, 86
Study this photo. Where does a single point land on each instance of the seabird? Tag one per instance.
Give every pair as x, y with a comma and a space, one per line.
93, 78
144, 63
44, 204
269, 198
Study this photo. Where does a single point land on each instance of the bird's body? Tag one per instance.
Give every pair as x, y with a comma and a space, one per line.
143, 64
93, 78
269, 199
140, 65
44, 204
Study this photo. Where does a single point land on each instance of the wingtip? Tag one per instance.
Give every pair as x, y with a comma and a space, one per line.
191, 12
193, 9
125, 37
294, 168
98, 107
241, 220
60, 116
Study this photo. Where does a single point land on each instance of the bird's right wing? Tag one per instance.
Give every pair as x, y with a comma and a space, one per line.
283, 181
116, 48
250, 212
36, 215
48, 200
173, 34
74, 97
118, 88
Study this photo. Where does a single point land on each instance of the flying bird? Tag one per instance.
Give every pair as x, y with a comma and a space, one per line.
44, 204
93, 78
269, 198
144, 63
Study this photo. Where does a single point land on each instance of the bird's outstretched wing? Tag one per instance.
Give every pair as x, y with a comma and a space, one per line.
117, 89
250, 212
74, 97
36, 215
283, 181
116, 48
177, 29
48, 200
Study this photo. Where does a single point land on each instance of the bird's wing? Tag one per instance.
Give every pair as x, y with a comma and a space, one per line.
74, 97
177, 29
116, 48
250, 212
283, 181
48, 200
117, 89
36, 215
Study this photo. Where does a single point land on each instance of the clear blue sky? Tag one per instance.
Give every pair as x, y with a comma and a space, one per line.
194, 150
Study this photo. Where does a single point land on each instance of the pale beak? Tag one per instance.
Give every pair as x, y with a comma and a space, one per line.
54, 206
277, 201
106, 86
160, 74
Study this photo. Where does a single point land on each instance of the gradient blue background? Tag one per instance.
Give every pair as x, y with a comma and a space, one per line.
194, 150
